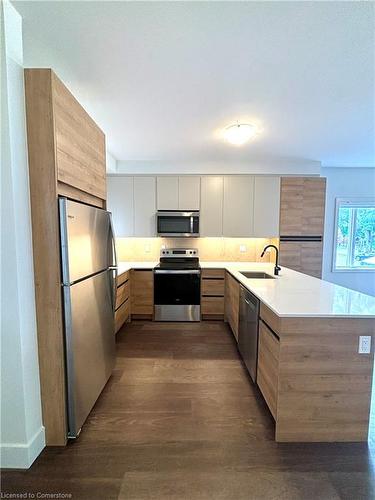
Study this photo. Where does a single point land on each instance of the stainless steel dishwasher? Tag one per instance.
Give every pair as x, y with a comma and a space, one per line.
248, 331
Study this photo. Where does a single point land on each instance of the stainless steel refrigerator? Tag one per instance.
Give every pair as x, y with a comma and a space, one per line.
88, 262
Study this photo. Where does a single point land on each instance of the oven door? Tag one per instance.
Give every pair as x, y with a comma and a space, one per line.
177, 295
178, 224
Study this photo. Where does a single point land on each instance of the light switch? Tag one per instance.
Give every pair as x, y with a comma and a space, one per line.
243, 248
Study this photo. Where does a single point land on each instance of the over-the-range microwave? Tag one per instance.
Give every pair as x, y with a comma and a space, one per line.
177, 223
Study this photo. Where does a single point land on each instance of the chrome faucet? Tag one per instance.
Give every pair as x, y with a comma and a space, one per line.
277, 267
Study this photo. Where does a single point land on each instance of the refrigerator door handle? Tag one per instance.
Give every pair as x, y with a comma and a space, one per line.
113, 275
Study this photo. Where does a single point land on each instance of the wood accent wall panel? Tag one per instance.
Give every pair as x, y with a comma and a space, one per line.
302, 206
66, 153
80, 144
305, 257
232, 302
142, 292
46, 249
268, 366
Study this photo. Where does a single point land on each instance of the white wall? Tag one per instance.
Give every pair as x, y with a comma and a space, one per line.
280, 166
341, 183
22, 433
111, 163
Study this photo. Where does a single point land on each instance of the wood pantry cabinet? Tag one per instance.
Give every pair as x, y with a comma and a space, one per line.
302, 207
142, 293
212, 293
232, 302
66, 153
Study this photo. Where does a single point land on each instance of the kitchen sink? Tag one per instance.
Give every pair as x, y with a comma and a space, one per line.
257, 275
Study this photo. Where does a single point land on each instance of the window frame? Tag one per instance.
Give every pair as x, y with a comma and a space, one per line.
362, 202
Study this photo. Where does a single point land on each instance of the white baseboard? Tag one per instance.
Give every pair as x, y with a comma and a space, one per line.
21, 456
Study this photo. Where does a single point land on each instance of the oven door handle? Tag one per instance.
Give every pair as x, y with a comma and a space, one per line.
177, 271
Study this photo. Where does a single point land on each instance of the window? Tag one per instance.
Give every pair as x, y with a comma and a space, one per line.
354, 247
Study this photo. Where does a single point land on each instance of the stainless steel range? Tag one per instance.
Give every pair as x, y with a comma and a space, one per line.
177, 285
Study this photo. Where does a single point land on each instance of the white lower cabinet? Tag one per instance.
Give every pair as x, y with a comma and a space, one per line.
144, 206
211, 213
238, 208
120, 201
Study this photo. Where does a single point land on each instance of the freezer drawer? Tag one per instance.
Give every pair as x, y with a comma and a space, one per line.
90, 344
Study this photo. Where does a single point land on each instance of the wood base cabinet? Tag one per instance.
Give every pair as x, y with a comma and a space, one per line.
268, 366
122, 312
315, 383
142, 294
232, 303
212, 293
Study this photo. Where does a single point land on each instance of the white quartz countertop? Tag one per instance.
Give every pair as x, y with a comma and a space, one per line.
291, 294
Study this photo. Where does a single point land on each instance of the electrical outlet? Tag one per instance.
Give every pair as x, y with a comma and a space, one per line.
243, 248
147, 248
364, 345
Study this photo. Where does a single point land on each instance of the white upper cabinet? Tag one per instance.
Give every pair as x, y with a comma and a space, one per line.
167, 193
238, 210
211, 211
189, 193
144, 206
178, 193
120, 202
266, 207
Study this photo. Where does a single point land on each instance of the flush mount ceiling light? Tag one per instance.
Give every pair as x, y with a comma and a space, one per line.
240, 133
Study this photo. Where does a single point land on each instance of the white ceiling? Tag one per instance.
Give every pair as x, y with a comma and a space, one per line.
161, 78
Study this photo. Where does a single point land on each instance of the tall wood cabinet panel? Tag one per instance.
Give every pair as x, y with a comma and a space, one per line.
211, 211
305, 257
189, 188
302, 206
121, 203
61, 144
80, 144
144, 206
238, 218
167, 193
266, 206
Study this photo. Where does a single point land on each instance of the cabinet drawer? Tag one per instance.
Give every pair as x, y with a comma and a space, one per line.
212, 306
213, 273
213, 287
121, 278
268, 366
121, 315
123, 293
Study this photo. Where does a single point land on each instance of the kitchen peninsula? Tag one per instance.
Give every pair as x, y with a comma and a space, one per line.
316, 384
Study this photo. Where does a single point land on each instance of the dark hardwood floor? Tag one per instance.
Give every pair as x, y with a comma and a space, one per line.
180, 419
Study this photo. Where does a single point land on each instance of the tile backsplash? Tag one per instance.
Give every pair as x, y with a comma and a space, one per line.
210, 249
